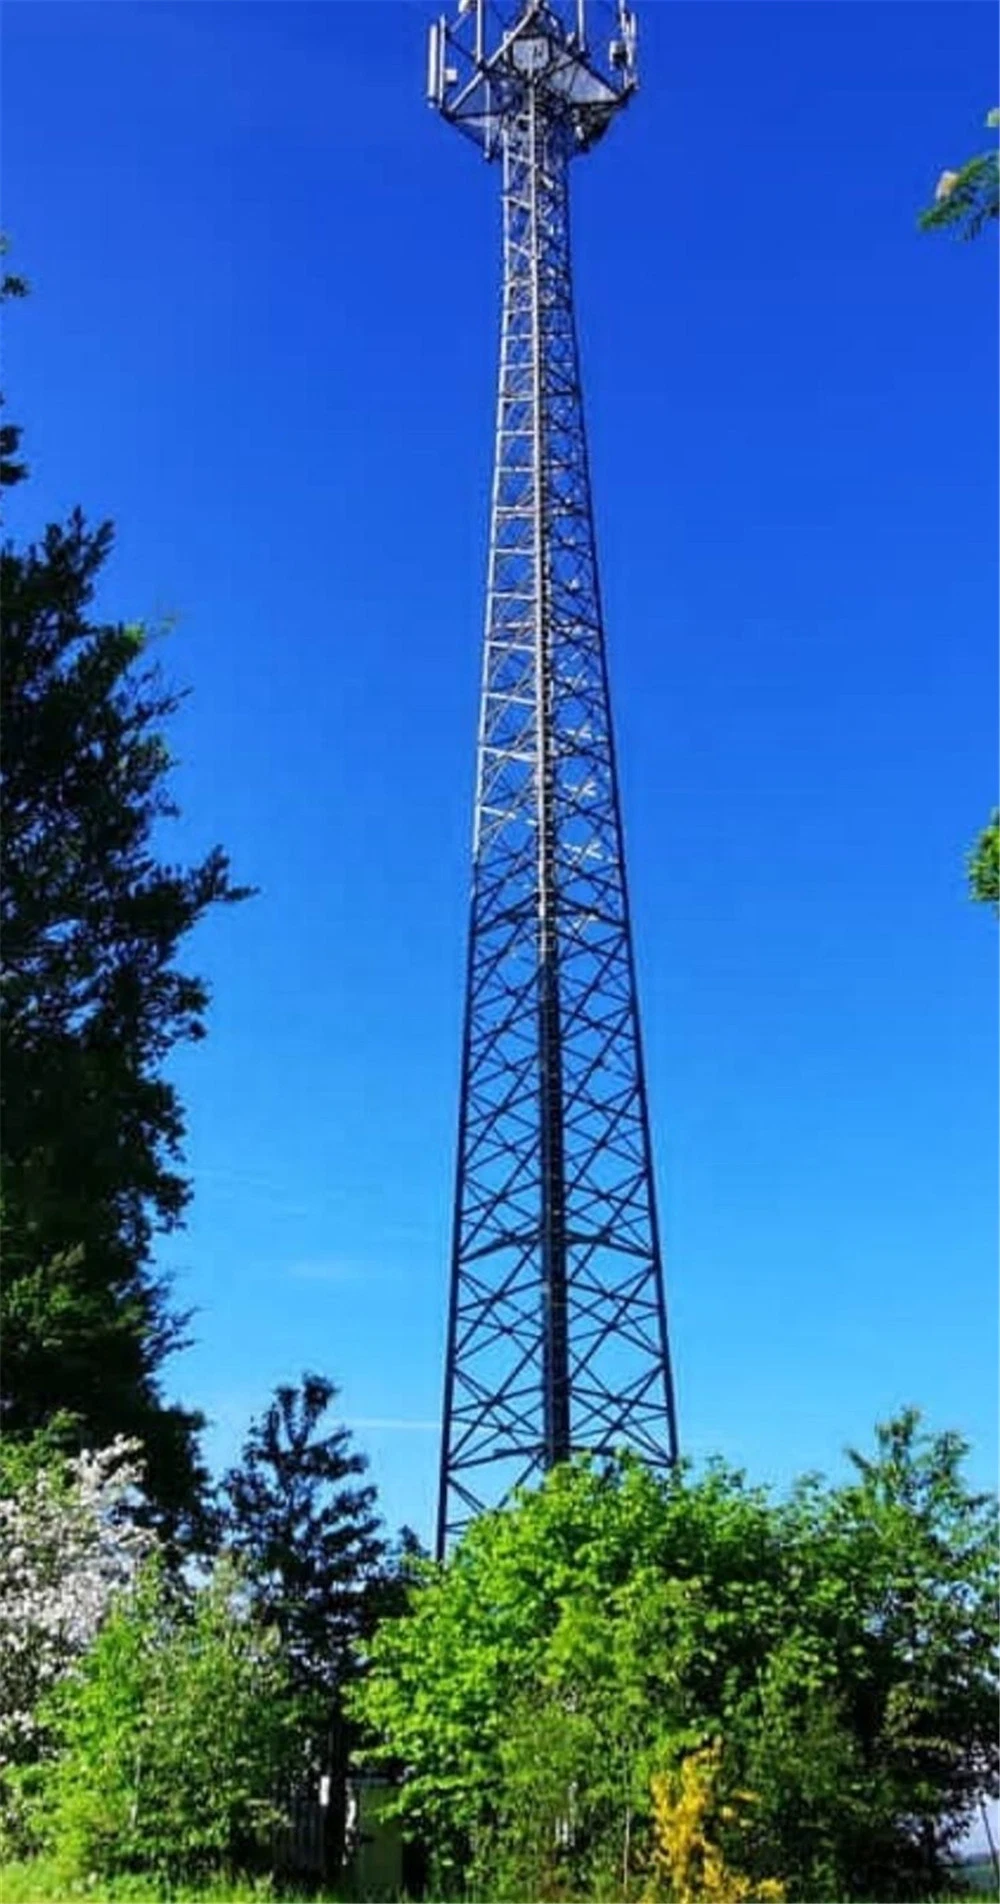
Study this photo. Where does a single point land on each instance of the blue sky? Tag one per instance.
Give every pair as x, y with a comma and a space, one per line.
262, 337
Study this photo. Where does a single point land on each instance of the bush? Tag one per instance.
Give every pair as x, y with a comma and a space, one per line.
687, 1864
585, 1641
174, 1736
68, 1546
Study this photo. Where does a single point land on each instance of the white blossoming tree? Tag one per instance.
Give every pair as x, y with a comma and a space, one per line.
69, 1544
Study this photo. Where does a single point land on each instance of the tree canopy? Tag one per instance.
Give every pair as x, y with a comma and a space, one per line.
93, 1003
172, 1738
839, 1646
302, 1519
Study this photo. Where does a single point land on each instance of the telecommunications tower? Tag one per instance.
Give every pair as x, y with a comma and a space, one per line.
557, 1329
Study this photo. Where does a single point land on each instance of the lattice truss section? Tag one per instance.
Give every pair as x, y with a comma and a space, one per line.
558, 1339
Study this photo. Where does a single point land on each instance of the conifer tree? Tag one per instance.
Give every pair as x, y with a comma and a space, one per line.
303, 1521
93, 1003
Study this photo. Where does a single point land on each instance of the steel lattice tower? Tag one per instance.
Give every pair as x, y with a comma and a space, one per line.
557, 1332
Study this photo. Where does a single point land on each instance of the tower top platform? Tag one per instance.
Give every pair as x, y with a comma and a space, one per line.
481, 60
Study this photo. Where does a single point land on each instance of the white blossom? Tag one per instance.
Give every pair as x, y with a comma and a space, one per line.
68, 1544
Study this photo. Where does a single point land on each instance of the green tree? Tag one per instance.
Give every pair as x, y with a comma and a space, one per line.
174, 1736
303, 1523
967, 200
92, 1005
984, 864
606, 1627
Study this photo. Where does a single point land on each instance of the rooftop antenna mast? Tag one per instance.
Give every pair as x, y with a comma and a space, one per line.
557, 1327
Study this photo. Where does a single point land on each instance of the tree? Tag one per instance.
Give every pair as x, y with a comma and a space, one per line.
984, 864
967, 200
173, 1738
305, 1529
605, 1628
92, 1005
69, 1546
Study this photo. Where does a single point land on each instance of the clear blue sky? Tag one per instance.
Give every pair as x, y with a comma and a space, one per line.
262, 338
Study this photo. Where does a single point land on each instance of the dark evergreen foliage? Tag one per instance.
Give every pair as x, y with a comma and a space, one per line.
303, 1522
93, 1004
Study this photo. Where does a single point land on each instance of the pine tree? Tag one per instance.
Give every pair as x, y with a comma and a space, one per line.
304, 1523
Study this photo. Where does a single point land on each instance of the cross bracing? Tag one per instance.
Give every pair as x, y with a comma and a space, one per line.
557, 1335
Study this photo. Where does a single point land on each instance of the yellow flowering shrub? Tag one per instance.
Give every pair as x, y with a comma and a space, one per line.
686, 1866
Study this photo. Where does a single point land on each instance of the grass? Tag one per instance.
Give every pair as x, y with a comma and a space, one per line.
41, 1881
978, 1873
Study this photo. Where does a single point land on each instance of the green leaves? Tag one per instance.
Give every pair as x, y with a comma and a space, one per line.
580, 1640
984, 864
173, 1737
967, 200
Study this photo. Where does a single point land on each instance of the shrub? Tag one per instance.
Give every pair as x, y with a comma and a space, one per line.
841, 1643
687, 1863
68, 1546
174, 1736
